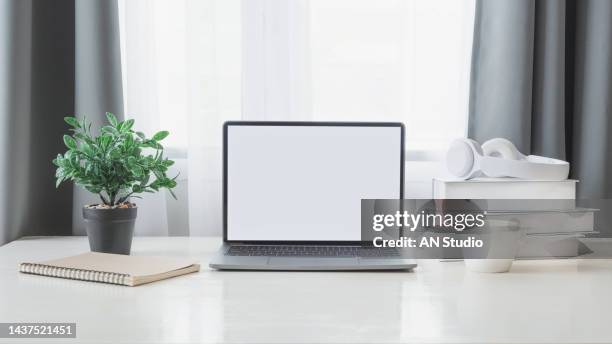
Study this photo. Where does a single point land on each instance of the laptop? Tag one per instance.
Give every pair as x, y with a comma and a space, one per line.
292, 194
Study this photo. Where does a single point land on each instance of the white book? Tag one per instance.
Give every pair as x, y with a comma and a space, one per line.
558, 246
578, 220
552, 228
503, 188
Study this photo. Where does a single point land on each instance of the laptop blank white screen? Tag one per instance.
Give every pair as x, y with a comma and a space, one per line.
305, 183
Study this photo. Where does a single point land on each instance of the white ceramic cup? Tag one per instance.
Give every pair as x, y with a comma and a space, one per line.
503, 236
489, 265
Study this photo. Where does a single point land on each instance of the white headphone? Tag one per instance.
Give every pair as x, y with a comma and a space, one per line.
466, 159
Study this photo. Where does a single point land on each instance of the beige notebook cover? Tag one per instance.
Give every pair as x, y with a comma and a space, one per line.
112, 268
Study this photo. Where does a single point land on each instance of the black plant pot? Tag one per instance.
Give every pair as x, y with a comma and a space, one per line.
110, 230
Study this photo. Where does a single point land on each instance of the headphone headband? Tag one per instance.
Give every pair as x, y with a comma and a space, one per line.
500, 158
540, 168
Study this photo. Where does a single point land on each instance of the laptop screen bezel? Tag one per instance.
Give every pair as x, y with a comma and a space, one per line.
228, 124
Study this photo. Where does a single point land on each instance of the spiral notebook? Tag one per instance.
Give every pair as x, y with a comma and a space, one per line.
112, 268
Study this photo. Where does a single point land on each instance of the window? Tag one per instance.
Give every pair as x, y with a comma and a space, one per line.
364, 60
191, 64
182, 67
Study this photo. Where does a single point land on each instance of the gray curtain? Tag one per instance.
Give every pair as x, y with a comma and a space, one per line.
98, 86
542, 77
57, 58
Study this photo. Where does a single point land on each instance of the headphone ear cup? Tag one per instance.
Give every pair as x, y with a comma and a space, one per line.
501, 148
476, 146
462, 157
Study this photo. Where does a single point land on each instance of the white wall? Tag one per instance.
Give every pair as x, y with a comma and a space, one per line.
418, 177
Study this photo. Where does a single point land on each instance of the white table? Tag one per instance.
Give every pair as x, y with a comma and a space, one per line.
538, 301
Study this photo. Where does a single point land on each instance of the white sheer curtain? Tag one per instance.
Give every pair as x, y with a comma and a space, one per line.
188, 65
361, 60
182, 73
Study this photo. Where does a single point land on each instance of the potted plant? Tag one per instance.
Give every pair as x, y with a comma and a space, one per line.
117, 164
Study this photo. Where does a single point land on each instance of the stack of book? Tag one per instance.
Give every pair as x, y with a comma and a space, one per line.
552, 229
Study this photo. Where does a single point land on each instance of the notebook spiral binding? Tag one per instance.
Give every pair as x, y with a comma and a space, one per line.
75, 274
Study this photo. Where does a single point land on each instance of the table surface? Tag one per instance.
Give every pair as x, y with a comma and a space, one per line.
551, 301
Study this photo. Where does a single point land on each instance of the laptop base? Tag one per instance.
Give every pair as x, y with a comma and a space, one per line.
221, 261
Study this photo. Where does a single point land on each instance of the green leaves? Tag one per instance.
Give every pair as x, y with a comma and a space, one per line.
86, 149
125, 127
70, 142
111, 119
72, 121
107, 129
117, 164
160, 135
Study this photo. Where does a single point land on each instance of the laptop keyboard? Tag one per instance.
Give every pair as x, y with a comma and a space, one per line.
310, 251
